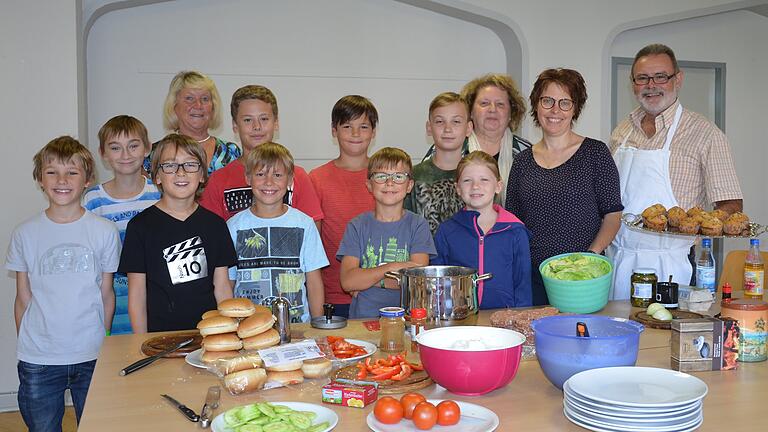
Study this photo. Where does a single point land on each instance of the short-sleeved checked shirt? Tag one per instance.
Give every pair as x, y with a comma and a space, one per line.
700, 167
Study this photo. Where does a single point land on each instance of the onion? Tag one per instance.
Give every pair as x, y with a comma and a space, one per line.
663, 315
653, 308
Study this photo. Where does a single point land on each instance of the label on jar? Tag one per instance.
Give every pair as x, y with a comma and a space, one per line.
642, 290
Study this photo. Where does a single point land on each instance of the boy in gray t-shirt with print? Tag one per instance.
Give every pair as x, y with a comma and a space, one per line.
388, 239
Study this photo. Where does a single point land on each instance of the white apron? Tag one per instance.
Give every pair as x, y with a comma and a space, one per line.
644, 178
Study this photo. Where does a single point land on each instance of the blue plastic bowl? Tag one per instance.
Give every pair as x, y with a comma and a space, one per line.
583, 296
561, 354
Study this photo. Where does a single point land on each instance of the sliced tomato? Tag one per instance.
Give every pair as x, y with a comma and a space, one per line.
405, 372
333, 339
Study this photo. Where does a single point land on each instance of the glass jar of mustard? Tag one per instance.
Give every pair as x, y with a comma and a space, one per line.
392, 322
643, 286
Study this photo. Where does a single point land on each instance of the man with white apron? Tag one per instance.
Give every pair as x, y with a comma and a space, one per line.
645, 175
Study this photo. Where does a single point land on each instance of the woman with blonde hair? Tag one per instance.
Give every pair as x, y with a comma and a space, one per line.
193, 108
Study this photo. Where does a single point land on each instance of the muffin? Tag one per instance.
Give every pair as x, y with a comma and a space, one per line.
654, 210
711, 226
689, 225
719, 214
736, 223
656, 223
675, 215
695, 211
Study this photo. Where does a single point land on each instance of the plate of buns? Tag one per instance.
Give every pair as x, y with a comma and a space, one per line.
232, 335
693, 222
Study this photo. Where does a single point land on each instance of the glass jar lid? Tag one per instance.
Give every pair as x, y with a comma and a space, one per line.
644, 271
391, 312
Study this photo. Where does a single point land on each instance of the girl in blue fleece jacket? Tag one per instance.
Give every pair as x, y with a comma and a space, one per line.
486, 237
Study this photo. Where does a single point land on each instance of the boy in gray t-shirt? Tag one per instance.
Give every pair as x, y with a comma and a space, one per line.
64, 258
388, 239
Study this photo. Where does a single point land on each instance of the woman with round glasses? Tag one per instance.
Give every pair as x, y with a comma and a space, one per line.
192, 107
566, 187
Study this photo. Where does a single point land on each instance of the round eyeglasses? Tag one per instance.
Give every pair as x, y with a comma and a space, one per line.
173, 167
548, 102
397, 178
659, 78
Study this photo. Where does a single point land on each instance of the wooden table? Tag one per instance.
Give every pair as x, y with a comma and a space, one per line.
529, 403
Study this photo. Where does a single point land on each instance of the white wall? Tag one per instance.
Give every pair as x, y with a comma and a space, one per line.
309, 53
713, 39
39, 76
38, 42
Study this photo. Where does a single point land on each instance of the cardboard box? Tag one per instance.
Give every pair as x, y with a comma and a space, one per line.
350, 393
697, 345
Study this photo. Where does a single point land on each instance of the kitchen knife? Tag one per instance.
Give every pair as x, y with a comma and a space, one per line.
133, 367
188, 413
211, 403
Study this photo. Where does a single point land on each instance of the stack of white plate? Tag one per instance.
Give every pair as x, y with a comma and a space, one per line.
634, 399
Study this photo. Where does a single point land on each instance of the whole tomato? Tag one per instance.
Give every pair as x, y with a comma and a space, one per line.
409, 402
388, 410
448, 413
424, 416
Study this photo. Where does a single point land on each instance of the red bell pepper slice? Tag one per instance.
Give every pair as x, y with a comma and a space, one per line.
405, 372
363, 372
387, 373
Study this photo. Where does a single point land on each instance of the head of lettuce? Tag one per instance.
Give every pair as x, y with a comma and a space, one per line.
576, 267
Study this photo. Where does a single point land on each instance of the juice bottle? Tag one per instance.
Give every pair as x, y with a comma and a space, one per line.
754, 271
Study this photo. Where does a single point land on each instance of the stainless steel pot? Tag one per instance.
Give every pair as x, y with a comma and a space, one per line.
446, 292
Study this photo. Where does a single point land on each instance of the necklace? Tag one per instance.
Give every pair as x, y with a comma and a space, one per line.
204, 139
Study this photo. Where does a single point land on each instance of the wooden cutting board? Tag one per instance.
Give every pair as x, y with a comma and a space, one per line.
643, 318
418, 380
159, 344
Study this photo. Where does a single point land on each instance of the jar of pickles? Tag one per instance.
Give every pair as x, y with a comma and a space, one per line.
392, 322
643, 286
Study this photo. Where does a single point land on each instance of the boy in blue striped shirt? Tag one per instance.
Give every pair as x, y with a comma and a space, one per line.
123, 145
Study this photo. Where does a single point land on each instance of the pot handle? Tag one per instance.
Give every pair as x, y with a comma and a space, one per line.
483, 276
393, 275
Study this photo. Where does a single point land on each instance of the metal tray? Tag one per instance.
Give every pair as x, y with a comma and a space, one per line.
635, 223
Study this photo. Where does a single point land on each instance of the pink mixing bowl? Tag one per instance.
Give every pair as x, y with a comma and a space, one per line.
471, 360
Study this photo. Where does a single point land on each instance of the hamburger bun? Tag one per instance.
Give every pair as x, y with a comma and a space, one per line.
210, 314
284, 367
262, 340
222, 342
237, 307
241, 362
286, 377
217, 325
245, 381
261, 321
316, 368
212, 356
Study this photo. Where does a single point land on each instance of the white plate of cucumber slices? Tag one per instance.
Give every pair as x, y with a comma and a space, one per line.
304, 416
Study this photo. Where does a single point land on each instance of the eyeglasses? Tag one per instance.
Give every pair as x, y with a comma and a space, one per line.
659, 78
173, 167
397, 178
548, 102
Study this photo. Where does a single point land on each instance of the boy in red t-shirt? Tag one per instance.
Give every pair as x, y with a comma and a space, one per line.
341, 186
254, 120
